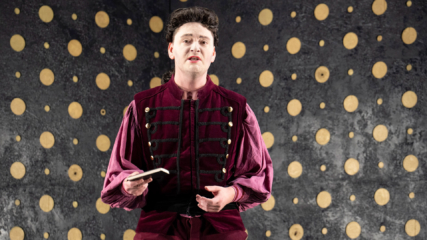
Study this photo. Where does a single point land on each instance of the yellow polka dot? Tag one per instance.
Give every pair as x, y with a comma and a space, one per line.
322, 74
294, 107
410, 163
124, 110
103, 143
380, 133
102, 50
17, 202
294, 76
156, 54
17, 170
16, 233
324, 231
75, 172
353, 230
46, 77
74, 16
74, 234
102, 207
238, 50
47, 140
75, 48
380, 164
379, 38
17, 106
239, 80
17, 42
265, 16
409, 99
102, 236
350, 9
17, 11
102, 81
102, 19
351, 134
294, 138
382, 196
296, 232
411, 195
17, 74
351, 166
75, 79
156, 24
324, 199
269, 204
379, 101
323, 136
46, 235
409, 3
293, 45
129, 52
102, 173
410, 131
321, 43
351, 103
129, 234
75, 204
75, 110
155, 82
214, 79
238, 19
322, 105
46, 203
295, 200
321, 12
268, 139
350, 40
295, 169
379, 7
323, 168
412, 227
75, 141
409, 35
379, 69
268, 233
265, 47
266, 109
103, 112
46, 45
18, 138
408, 67
130, 83
46, 14
46, 171
293, 14
129, 21
382, 228
266, 78
350, 72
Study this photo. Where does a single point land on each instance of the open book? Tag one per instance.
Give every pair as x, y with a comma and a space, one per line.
154, 173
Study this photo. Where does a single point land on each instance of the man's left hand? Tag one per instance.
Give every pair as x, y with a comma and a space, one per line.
222, 197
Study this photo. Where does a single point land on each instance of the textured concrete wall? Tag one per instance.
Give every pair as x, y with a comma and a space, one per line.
312, 126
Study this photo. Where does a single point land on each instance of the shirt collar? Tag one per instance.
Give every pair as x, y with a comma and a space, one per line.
201, 92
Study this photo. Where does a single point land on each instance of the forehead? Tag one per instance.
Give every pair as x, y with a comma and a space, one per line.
194, 29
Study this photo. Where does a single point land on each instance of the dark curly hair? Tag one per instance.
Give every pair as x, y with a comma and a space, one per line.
181, 16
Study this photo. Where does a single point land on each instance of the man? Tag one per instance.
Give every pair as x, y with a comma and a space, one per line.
205, 135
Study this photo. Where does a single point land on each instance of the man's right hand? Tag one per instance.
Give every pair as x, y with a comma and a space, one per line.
137, 187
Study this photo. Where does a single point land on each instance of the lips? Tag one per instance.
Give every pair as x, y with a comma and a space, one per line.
194, 58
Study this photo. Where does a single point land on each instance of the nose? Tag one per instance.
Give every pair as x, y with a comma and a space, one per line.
195, 46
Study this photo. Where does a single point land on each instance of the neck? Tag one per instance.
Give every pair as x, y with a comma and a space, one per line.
189, 83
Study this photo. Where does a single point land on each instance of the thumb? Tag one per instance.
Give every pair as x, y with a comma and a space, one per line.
212, 188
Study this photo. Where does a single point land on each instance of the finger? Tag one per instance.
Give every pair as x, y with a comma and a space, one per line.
212, 188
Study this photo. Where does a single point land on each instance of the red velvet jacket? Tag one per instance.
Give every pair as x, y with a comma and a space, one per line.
195, 140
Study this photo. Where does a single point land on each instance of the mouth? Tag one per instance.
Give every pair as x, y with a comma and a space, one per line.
194, 59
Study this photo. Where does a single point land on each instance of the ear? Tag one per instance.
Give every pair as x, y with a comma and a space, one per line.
170, 51
214, 55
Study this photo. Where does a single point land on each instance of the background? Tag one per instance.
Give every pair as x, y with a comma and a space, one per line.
338, 88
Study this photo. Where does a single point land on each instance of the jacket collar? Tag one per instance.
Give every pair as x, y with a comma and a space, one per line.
201, 92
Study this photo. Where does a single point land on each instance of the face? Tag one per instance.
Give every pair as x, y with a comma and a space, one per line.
192, 39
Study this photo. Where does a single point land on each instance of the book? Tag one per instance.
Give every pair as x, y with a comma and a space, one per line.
157, 173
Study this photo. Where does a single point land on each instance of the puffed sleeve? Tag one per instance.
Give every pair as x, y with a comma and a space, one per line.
126, 158
253, 176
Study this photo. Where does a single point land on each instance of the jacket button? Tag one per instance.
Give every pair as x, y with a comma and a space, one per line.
229, 141
224, 170
226, 156
230, 124
149, 144
148, 125
152, 158
230, 109
147, 109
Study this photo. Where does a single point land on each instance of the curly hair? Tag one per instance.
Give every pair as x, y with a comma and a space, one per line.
181, 16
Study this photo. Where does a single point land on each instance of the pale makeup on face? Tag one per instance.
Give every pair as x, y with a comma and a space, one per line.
192, 39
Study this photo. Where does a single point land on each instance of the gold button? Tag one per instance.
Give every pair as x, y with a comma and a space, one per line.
226, 156
148, 125
224, 170
230, 109
149, 144
152, 158
147, 109
230, 124
229, 141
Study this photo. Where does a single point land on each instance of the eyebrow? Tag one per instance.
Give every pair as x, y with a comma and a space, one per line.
189, 34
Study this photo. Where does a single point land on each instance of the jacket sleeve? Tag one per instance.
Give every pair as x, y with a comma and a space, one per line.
126, 158
253, 176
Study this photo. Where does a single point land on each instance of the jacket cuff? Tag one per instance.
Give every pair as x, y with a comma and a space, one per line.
239, 192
